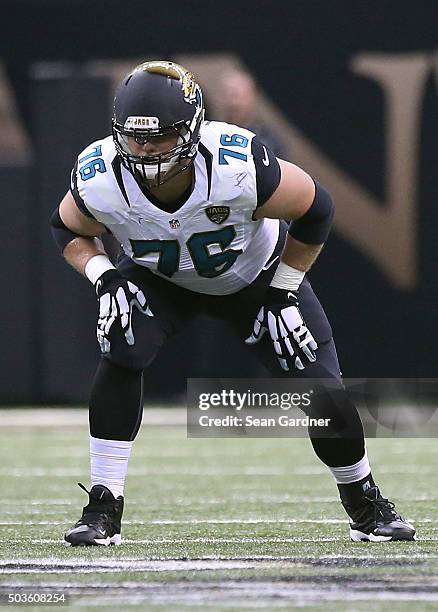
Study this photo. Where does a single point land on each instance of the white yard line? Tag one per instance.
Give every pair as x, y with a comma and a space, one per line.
237, 540
209, 521
219, 521
40, 472
207, 562
188, 501
36, 502
78, 417
268, 499
234, 521
130, 566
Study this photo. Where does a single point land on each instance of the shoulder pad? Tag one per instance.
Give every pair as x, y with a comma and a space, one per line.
233, 174
93, 179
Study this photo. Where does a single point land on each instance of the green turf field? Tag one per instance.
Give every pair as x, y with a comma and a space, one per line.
213, 524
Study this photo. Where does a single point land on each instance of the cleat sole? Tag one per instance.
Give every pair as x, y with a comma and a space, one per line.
398, 536
360, 536
115, 540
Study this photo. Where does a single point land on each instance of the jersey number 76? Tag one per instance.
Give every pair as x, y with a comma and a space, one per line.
206, 264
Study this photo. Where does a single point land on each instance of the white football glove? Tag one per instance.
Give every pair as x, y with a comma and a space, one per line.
293, 343
117, 299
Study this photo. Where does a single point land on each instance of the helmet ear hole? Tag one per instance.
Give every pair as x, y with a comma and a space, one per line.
145, 107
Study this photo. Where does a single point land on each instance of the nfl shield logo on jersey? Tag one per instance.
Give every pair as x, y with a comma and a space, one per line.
217, 214
174, 224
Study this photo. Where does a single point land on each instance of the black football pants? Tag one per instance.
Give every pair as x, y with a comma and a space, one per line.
116, 399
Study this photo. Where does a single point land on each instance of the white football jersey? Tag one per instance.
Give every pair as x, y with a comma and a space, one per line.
211, 244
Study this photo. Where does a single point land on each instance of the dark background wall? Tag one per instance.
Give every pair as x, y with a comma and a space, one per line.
300, 53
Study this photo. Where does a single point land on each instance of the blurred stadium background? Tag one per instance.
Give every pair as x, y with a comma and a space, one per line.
353, 91
351, 87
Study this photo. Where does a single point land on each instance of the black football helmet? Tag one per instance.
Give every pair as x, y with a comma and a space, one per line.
158, 99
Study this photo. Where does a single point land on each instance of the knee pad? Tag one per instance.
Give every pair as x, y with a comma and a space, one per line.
129, 358
133, 358
149, 337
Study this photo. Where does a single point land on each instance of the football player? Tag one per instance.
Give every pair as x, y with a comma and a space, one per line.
196, 207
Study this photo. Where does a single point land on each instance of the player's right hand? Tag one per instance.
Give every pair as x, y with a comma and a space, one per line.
117, 298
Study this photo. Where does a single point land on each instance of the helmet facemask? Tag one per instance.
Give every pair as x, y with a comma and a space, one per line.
156, 169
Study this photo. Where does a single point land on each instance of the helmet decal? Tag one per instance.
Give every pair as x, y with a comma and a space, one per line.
147, 123
189, 86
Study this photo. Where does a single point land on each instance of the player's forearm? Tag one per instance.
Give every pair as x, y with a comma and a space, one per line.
298, 255
76, 237
79, 251
296, 259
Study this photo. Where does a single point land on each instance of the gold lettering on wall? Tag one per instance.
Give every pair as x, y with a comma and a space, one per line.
386, 232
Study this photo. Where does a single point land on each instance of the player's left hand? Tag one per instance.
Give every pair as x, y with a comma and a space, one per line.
293, 342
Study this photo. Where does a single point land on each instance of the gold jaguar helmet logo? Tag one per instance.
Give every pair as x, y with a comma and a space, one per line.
189, 85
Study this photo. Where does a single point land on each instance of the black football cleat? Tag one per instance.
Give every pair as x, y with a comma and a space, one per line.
100, 523
376, 520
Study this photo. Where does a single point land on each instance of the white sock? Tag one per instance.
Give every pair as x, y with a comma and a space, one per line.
109, 463
351, 473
